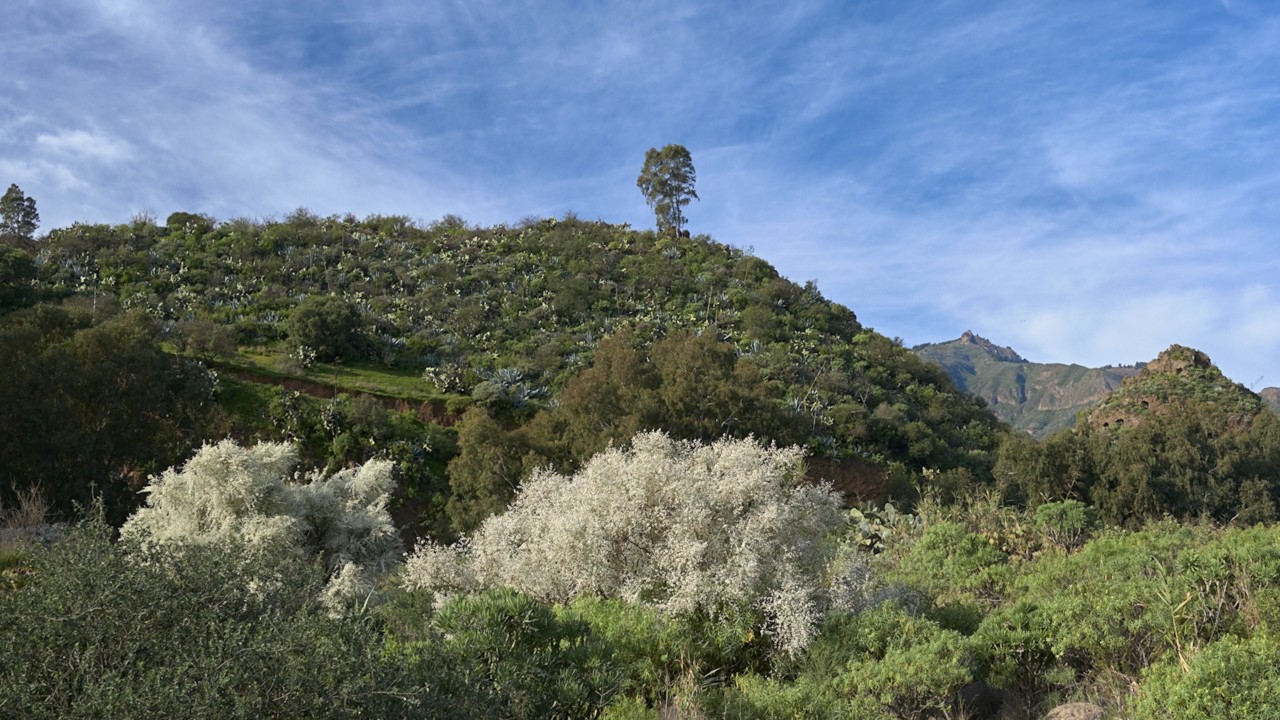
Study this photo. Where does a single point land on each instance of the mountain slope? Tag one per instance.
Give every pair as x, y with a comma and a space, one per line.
1037, 398
517, 312
1180, 381
1178, 438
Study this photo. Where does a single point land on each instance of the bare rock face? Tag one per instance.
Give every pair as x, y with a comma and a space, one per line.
1002, 354
1076, 711
1178, 359
1271, 396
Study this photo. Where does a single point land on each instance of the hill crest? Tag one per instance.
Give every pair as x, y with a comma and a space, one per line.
1178, 380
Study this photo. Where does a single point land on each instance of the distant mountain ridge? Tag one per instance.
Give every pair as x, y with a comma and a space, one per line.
1037, 398
1271, 396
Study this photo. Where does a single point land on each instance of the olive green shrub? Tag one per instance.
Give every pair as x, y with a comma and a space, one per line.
105, 630
1231, 678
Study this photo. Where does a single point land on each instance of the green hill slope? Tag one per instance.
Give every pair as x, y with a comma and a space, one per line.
1037, 398
514, 313
1178, 438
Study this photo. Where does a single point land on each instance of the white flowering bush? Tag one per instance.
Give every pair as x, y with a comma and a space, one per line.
227, 493
686, 526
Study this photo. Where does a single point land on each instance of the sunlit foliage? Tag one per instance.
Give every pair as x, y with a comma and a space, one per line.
228, 493
687, 526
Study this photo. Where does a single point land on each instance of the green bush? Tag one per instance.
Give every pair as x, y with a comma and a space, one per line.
659, 656
510, 656
328, 325
909, 666
1231, 678
882, 663
753, 697
190, 632
1102, 606
1127, 600
1067, 524
950, 563
1012, 646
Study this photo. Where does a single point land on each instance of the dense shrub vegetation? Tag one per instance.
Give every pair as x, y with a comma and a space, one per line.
1172, 618
606, 447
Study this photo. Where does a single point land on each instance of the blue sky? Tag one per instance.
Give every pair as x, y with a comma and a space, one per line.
1087, 181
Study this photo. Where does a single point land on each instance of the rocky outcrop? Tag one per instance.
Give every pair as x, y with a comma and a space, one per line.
1076, 711
1178, 360
1178, 381
1271, 396
1002, 354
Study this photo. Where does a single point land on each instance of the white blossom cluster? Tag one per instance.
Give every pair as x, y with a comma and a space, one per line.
229, 493
686, 526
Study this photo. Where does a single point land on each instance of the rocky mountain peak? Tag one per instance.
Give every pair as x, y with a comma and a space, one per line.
1004, 354
1177, 360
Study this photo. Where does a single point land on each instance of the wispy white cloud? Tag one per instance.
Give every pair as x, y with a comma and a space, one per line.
84, 145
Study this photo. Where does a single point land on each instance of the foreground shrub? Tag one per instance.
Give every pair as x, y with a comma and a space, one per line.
909, 666
753, 697
882, 663
666, 662
1089, 623
1231, 678
510, 656
228, 493
101, 632
951, 564
691, 528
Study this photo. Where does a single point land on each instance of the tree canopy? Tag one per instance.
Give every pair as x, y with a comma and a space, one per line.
667, 180
18, 217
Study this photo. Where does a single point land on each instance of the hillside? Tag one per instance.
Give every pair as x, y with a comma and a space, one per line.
1271, 396
468, 356
297, 313
1178, 438
1180, 382
1037, 398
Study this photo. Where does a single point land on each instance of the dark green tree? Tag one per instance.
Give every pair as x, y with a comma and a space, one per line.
667, 180
484, 477
17, 277
89, 411
327, 324
606, 404
18, 217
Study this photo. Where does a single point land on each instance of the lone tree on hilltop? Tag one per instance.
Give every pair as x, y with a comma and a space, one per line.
667, 183
18, 217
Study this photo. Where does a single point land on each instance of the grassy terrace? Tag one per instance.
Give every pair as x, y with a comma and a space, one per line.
361, 377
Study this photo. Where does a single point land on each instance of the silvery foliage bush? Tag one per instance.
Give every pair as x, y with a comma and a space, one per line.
686, 526
232, 494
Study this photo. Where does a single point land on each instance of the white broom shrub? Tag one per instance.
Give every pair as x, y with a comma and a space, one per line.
250, 496
686, 526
